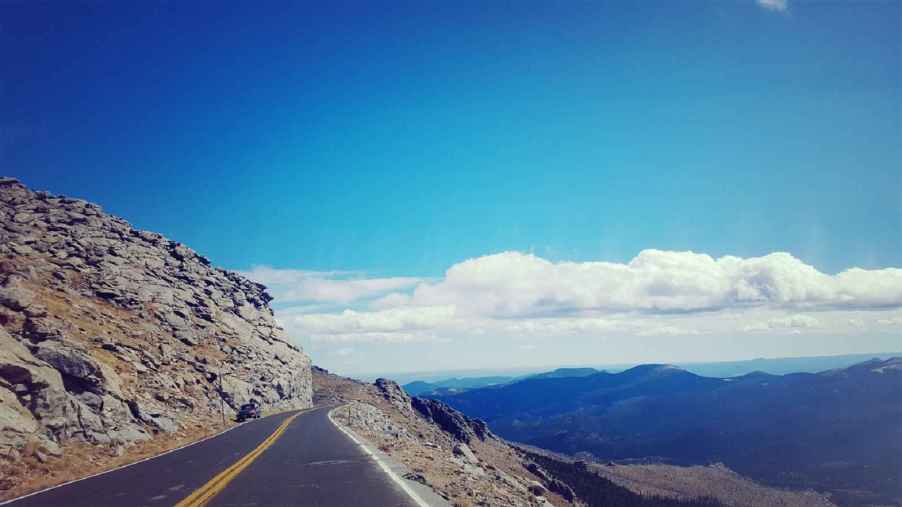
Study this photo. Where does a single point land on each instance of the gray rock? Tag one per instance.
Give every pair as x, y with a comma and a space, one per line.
15, 296
85, 372
187, 337
464, 452
153, 295
459, 426
392, 392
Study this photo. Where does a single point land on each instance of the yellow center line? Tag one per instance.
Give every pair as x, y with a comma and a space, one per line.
205, 493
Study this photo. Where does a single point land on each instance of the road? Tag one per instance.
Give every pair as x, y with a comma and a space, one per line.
312, 463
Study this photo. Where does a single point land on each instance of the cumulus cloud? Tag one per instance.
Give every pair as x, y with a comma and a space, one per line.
656, 294
774, 5
397, 325
292, 285
514, 284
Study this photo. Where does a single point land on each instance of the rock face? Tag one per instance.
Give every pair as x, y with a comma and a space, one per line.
109, 335
393, 393
451, 421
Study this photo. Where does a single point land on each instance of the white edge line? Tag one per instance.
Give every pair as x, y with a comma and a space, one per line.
120, 467
398, 480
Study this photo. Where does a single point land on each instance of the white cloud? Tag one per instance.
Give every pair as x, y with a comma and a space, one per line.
375, 338
396, 325
667, 331
656, 294
514, 284
385, 321
774, 5
292, 285
792, 322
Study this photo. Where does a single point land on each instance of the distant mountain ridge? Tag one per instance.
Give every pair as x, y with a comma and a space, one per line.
838, 430
423, 382
452, 386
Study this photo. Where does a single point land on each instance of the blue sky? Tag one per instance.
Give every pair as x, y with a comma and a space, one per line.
394, 139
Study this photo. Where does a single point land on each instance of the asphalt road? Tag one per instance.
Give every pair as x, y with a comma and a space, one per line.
311, 464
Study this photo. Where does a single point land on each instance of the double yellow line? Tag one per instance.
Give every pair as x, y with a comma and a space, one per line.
206, 492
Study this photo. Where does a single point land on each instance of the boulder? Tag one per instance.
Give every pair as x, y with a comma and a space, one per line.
15, 296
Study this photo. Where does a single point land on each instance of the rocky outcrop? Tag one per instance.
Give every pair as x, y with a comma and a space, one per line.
393, 393
111, 335
364, 415
451, 421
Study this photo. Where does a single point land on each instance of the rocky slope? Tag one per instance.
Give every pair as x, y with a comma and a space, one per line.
111, 336
457, 456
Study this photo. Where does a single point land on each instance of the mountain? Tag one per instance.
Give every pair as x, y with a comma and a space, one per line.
839, 430
455, 385
426, 382
566, 372
117, 343
781, 365
452, 385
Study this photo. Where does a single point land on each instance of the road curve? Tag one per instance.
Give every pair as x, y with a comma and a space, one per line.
311, 464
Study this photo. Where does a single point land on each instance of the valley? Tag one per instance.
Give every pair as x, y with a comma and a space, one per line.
838, 431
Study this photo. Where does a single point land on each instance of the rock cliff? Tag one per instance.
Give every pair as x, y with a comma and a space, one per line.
112, 335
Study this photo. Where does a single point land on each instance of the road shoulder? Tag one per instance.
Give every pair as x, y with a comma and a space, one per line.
422, 495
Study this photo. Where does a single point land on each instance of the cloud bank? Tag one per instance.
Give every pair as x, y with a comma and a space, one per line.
657, 293
514, 284
293, 285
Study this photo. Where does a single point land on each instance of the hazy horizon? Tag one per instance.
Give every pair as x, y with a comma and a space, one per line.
437, 375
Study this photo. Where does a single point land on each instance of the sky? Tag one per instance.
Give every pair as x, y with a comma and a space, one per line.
429, 185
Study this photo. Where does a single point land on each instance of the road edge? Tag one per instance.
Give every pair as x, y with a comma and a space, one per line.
387, 467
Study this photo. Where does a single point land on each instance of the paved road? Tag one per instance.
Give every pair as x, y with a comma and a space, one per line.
311, 464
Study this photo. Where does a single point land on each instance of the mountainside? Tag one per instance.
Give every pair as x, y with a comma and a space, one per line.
839, 430
111, 336
464, 462
540, 396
